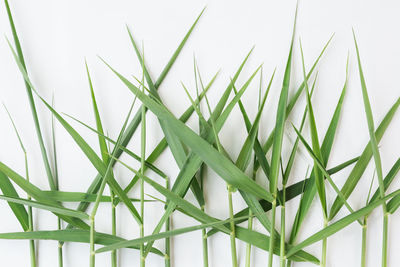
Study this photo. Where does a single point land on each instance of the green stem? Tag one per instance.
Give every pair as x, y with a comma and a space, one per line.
205, 245
92, 250
250, 221
248, 245
283, 227
324, 245
31, 242
113, 228
60, 246
142, 161
364, 243
232, 226
272, 233
167, 228
30, 219
385, 237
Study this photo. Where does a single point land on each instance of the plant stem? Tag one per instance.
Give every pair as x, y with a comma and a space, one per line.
56, 182
30, 219
250, 221
60, 246
205, 245
364, 243
283, 227
232, 226
385, 237
272, 233
92, 251
167, 228
324, 244
248, 245
142, 161
113, 228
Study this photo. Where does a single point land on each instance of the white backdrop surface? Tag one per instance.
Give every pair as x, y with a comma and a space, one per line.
56, 36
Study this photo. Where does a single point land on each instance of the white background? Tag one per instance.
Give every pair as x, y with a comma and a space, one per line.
56, 36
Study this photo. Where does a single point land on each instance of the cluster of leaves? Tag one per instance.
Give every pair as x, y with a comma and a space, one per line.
192, 152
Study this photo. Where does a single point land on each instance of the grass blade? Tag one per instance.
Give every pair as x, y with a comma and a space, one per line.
375, 153
243, 234
131, 129
362, 163
278, 140
44, 206
340, 224
31, 100
70, 235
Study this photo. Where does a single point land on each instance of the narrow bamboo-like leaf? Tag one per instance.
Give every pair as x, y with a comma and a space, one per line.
139, 241
278, 141
319, 179
310, 188
86, 149
258, 150
102, 142
371, 126
70, 235
201, 216
245, 153
19, 210
221, 165
388, 179
293, 152
340, 224
163, 143
126, 150
38, 194
320, 165
292, 191
174, 143
131, 128
62, 196
8, 189
281, 115
362, 163
268, 143
44, 206
31, 100
193, 161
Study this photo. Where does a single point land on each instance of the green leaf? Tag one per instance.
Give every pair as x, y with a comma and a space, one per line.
245, 153
362, 163
86, 149
44, 206
140, 241
319, 179
371, 126
340, 224
198, 214
388, 179
126, 150
310, 189
30, 98
320, 165
219, 163
267, 145
102, 142
62, 196
292, 191
70, 235
19, 210
131, 129
38, 194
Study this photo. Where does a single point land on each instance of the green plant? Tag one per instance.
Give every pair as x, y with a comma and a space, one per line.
193, 152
